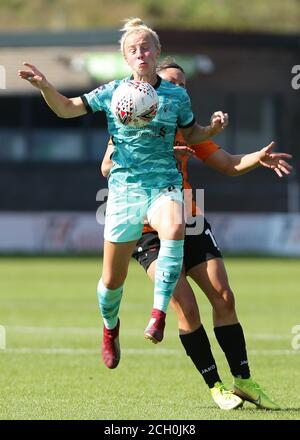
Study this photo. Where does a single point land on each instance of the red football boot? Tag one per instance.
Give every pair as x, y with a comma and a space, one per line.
111, 352
155, 329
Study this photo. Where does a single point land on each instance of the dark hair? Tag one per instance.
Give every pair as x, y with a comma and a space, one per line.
169, 63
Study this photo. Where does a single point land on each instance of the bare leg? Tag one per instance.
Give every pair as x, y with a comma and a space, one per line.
115, 263
212, 278
168, 221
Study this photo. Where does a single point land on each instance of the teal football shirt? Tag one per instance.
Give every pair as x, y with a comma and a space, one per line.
143, 157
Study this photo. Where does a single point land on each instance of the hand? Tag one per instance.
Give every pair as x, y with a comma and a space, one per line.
218, 122
275, 160
181, 151
34, 76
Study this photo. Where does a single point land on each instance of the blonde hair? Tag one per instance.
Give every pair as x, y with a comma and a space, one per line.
136, 25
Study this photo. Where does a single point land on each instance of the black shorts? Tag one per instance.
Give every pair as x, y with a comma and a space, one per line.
197, 248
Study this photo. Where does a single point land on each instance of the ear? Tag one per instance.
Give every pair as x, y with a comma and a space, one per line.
158, 53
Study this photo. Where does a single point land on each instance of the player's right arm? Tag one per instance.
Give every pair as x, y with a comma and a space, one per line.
61, 105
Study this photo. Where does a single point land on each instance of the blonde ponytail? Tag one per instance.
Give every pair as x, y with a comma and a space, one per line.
132, 23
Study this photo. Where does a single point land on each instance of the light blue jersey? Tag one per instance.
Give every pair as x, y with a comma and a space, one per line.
143, 157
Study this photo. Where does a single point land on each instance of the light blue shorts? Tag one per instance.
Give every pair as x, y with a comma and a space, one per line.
127, 209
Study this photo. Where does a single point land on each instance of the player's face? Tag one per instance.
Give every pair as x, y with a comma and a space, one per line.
141, 53
173, 75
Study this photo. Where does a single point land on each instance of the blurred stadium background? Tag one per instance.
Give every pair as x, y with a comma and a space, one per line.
239, 57
238, 64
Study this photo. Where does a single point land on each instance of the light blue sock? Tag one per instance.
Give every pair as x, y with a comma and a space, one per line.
109, 304
168, 268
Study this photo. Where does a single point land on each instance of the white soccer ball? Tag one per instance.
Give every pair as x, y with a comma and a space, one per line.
134, 103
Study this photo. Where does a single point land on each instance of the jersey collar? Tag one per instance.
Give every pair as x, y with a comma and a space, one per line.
156, 85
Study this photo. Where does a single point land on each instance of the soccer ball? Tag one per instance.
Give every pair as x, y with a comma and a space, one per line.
134, 103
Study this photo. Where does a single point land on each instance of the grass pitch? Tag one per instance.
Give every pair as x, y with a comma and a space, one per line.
51, 367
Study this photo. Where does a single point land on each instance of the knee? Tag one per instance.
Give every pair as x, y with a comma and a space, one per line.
177, 232
226, 302
173, 232
113, 281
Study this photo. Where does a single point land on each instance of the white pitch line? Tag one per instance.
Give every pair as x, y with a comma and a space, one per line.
39, 330
133, 351
274, 352
73, 351
90, 351
269, 336
130, 332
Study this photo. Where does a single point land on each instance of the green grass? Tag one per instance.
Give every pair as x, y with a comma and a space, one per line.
52, 369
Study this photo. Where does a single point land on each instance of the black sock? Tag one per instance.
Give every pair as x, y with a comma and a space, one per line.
232, 341
197, 346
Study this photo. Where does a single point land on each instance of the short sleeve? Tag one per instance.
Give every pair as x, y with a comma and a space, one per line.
186, 116
99, 99
205, 149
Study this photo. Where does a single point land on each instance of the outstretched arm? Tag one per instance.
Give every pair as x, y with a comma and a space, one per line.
61, 105
196, 134
235, 165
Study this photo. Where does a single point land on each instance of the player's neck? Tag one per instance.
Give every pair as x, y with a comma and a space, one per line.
151, 79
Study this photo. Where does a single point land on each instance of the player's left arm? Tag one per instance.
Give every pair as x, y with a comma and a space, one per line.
107, 163
235, 165
196, 133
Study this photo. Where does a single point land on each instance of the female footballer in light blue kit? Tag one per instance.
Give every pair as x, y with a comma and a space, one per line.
143, 161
